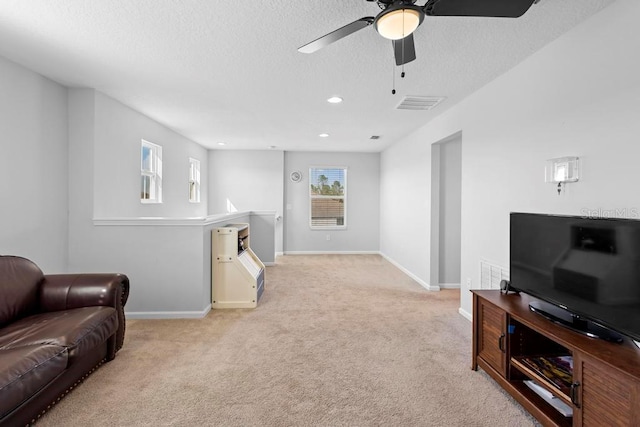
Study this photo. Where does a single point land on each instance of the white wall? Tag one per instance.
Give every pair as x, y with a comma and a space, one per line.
250, 181
577, 96
405, 208
164, 261
81, 176
118, 133
69, 156
363, 204
450, 211
33, 167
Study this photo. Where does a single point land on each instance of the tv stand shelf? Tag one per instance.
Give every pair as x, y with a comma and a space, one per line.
563, 393
603, 387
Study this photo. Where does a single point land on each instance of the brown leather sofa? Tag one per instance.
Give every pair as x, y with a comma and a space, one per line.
54, 331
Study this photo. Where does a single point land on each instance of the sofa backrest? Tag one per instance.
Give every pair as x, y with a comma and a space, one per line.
19, 283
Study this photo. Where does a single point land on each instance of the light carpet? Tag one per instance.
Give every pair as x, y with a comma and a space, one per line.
344, 340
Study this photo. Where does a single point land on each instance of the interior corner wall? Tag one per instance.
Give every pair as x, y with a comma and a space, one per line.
33, 167
578, 96
363, 204
247, 180
450, 211
81, 124
405, 205
119, 131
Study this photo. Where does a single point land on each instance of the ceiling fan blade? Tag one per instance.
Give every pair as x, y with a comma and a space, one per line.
336, 35
404, 50
487, 8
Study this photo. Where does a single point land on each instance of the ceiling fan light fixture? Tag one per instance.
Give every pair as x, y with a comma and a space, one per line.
398, 22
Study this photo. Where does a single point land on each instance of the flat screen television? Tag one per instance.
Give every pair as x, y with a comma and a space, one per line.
585, 271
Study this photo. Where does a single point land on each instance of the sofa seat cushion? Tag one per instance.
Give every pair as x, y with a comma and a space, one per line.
25, 370
78, 329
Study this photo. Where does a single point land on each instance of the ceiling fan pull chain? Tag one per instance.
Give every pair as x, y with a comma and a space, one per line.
404, 36
393, 89
402, 73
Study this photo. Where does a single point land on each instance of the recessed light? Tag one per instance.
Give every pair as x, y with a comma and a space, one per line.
334, 100
323, 135
222, 143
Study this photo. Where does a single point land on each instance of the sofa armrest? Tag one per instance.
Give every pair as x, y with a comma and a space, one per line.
67, 291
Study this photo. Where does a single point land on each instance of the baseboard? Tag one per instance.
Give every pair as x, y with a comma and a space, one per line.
168, 314
449, 285
465, 314
332, 253
410, 274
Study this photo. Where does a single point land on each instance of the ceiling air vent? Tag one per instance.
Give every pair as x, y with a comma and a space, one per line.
419, 102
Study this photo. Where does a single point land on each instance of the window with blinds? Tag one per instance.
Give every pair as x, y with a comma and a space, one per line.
328, 197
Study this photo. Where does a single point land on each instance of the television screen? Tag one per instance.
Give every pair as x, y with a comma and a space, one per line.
588, 266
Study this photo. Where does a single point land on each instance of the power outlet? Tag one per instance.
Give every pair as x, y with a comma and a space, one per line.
468, 283
328, 236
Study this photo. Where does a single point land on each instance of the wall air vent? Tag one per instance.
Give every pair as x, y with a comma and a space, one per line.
491, 274
419, 102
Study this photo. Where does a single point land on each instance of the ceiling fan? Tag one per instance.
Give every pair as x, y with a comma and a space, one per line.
400, 18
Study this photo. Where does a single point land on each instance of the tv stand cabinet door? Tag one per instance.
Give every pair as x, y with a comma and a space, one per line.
604, 395
491, 336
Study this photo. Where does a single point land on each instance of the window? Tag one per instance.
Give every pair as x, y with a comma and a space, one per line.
328, 197
151, 173
194, 180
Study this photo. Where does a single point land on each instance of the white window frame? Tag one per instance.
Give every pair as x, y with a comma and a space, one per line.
154, 173
343, 197
194, 180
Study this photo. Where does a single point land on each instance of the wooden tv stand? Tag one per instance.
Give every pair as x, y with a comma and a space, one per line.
604, 388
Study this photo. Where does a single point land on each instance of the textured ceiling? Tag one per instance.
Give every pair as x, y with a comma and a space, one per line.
230, 71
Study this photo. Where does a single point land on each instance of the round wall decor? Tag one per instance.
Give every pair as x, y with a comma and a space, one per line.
295, 176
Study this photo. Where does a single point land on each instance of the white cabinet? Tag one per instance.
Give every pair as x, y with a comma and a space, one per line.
237, 276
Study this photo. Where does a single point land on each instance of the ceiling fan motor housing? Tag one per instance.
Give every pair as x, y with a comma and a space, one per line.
398, 20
